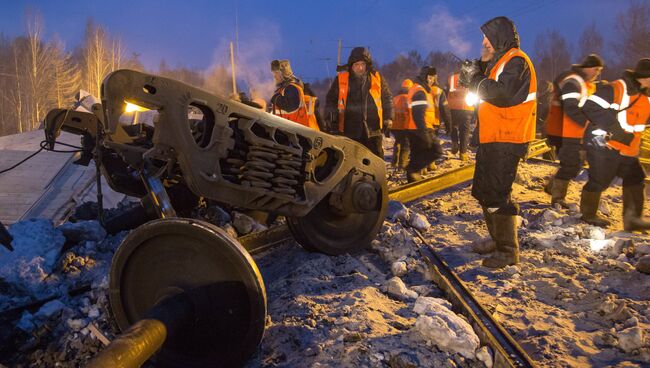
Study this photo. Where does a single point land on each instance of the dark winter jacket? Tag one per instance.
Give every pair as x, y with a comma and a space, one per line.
605, 119
361, 117
290, 100
570, 106
512, 87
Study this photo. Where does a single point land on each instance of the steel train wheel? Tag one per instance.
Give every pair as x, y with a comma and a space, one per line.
325, 229
167, 257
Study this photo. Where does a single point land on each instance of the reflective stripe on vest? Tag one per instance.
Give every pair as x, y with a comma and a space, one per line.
304, 113
430, 114
514, 124
375, 93
560, 124
401, 109
632, 120
457, 94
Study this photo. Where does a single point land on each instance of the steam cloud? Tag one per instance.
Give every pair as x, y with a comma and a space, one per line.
445, 30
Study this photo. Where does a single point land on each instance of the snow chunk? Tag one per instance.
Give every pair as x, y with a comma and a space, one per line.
643, 265
419, 221
76, 232
485, 355
396, 288
49, 309
397, 211
630, 339
398, 268
438, 325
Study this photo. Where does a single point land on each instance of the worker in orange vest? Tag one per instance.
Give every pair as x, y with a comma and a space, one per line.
618, 113
401, 148
359, 104
462, 116
425, 100
290, 100
566, 122
505, 81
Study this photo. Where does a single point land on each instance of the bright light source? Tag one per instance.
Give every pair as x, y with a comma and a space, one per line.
471, 98
130, 107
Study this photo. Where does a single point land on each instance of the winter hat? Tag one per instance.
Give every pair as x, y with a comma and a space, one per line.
642, 69
283, 66
407, 83
427, 70
591, 61
359, 54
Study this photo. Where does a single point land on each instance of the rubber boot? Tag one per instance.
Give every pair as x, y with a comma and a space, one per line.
507, 252
633, 202
397, 155
548, 187
589, 202
487, 245
413, 176
404, 157
454, 148
558, 192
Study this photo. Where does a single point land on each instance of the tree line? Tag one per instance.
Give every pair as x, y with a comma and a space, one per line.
38, 75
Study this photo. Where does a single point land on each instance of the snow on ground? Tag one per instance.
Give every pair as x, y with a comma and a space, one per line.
574, 300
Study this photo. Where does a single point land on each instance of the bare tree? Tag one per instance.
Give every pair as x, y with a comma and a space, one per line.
591, 41
38, 71
552, 55
633, 27
66, 80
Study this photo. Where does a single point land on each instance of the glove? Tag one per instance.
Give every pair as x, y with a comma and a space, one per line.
468, 70
599, 138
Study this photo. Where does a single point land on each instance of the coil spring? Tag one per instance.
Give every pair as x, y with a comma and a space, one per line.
272, 169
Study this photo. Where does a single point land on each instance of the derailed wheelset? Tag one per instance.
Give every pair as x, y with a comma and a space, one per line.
196, 289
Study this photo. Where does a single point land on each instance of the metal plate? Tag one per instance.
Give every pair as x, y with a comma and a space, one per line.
170, 256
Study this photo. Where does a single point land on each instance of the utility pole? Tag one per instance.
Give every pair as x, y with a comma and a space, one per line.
338, 57
232, 64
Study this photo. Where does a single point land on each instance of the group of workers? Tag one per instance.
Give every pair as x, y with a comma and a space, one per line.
604, 120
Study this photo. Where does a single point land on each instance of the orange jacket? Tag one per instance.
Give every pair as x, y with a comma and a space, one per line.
514, 124
431, 114
457, 94
375, 93
560, 124
304, 114
632, 115
401, 111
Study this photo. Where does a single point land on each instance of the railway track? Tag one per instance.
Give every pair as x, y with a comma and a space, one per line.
507, 353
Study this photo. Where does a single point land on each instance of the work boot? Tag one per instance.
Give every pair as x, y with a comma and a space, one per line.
464, 157
487, 245
589, 202
404, 157
558, 192
633, 201
507, 245
412, 176
454, 148
548, 187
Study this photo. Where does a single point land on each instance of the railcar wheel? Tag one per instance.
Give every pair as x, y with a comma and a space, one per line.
327, 230
167, 257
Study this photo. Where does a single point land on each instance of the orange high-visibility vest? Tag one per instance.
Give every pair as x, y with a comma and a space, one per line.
431, 114
402, 112
457, 94
304, 114
514, 124
375, 93
632, 114
560, 124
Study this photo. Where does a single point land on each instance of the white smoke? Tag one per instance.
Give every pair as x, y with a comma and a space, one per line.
253, 55
444, 30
